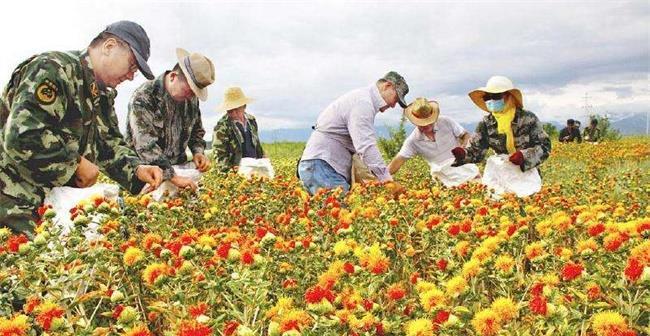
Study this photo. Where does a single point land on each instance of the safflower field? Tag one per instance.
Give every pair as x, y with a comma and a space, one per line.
261, 257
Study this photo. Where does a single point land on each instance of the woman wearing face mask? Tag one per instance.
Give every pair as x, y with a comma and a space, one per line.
507, 129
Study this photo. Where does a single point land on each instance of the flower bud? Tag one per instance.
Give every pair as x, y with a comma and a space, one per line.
187, 252
117, 296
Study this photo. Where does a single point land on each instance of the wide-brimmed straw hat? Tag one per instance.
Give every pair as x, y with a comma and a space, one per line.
496, 84
233, 98
198, 71
422, 112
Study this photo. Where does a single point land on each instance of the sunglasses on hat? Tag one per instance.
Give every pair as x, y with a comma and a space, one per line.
492, 96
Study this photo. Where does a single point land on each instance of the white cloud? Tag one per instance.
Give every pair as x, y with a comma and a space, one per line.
296, 57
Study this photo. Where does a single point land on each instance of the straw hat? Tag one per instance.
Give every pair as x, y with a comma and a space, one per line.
496, 84
233, 98
198, 70
422, 112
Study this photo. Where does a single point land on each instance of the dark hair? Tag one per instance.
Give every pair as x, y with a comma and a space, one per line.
594, 121
571, 122
179, 72
103, 36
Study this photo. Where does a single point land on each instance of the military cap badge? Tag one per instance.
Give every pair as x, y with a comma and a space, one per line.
46, 92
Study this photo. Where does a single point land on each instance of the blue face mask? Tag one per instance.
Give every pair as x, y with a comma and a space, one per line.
495, 105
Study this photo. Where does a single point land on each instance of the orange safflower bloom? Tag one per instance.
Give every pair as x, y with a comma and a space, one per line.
140, 330
17, 326
47, 311
486, 322
396, 292
193, 328
154, 271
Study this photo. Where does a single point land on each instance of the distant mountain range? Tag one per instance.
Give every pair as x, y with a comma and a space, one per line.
629, 125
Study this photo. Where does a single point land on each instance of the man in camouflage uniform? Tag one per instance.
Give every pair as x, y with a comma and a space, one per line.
520, 134
235, 136
164, 117
59, 126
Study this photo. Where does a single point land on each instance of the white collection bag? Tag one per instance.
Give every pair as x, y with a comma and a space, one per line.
260, 167
62, 199
503, 176
453, 176
167, 188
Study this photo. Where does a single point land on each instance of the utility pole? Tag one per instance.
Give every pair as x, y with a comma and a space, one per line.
587, 107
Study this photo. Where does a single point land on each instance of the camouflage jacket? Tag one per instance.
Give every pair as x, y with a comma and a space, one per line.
160, 129
53, 112
227, 142
591, 134
530, 139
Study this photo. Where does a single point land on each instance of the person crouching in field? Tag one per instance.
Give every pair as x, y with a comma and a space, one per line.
591, 133
346, 128
59, 127
507, 129
236, 134
164, 118
434, 137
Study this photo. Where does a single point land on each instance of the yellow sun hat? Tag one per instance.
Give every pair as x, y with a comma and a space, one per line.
233, 98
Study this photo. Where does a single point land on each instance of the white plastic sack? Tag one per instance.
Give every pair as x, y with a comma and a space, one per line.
62, 199
167, 188
260, 167
453, 176
503, 176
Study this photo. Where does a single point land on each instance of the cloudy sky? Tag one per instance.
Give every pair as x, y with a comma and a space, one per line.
296, 57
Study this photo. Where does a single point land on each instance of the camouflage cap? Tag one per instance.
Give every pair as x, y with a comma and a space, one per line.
400, 86
135, 36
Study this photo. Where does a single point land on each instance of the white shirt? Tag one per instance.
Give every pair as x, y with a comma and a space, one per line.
447, 133
346, 127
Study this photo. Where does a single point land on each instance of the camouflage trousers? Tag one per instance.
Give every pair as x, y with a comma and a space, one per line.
19, 201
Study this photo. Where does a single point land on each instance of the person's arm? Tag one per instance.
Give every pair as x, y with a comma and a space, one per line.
221, 149
539, 147
362, 131
196, 142
459, 132
396, 163
478, 145
578, 136
114, 157
33, 138
145, 134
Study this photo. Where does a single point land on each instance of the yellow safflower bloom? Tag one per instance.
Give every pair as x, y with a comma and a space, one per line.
486, 322
471, 268
431, 299
132, 255
456, 286
505, 308
419, 327
504, 263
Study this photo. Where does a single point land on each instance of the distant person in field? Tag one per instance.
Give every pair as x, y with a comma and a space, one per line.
164, 118
507, 129
345, 128
236, 134
591, 133
570, 133
434, 137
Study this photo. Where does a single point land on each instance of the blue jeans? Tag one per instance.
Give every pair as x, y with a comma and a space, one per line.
317, 173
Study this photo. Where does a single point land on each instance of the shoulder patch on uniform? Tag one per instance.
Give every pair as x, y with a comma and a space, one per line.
94, 91
46, 92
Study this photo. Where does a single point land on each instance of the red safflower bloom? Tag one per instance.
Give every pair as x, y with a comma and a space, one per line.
454, 229
596, 229
289, 283
230, 327
247, 258
317, 293
198, 309
117, 311
466, 226
537, 289
396, 292
414, 277
47, 313
538, 305
14, 242
193, 328
593, 292
634, 269
367, 304
223, 250
348, 268
31, 303
442, 264
571, 271
441, 317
